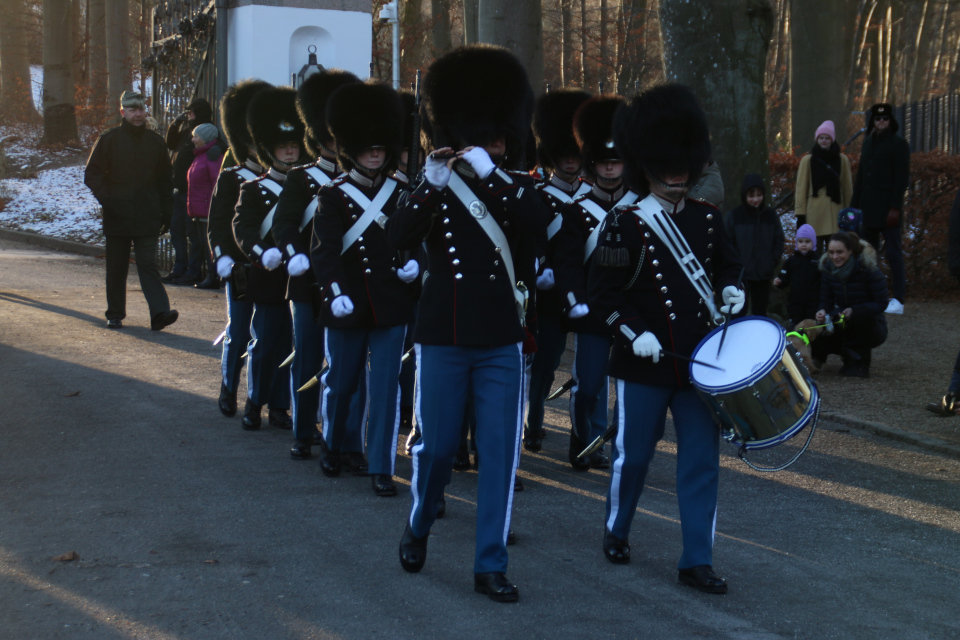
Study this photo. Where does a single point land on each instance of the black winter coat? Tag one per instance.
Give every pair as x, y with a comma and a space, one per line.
866, 288
129, 174
256, 200
802, 274
882, 177
180, 141
756, 233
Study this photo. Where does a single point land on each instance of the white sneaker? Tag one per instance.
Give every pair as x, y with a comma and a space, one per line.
894, 306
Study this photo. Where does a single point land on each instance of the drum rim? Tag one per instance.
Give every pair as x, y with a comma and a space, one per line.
755, 376
783, 436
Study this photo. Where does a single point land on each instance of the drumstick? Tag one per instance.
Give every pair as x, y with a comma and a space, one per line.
726, 321
686, 359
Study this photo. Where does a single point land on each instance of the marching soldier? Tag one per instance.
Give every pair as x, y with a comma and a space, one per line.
475, 218
593, 126
559, 156
277, 134
653, 284
226, 252
367, 291
292, 232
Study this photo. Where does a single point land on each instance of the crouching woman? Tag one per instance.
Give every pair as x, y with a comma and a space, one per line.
851, 287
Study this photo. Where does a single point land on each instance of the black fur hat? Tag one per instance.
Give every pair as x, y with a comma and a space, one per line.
312, 97
364, 115
477, 94
233, 115
273, 120
882, 109
663, 130
553, 125
593, 129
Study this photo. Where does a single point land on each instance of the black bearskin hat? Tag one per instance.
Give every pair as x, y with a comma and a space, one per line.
364, 115
553, 125
312, 97
273, 120
233, 115
663, 130
477, 94
593, 129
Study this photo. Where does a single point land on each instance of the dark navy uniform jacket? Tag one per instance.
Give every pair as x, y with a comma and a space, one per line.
549, 301
571, 271
299, 190
655, 295
367, 271
256, 201
467, 297
223, 207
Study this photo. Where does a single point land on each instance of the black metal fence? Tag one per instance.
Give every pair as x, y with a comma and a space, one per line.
932, 124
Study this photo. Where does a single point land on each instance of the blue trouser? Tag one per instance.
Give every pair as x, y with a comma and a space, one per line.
443, 375
641, 413
408, 368
347, 353
239, 314
894, 252
590, 394
270, 343
307, 361
955, 378
179, 224
551, 341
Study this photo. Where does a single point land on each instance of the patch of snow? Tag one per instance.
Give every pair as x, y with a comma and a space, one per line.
56, 203
36, 83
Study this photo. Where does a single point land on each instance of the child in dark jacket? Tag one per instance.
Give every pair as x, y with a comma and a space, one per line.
756, 231
801, 272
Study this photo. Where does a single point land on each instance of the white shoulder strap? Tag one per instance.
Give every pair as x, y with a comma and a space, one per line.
322, 179
267, 223
628, 198
246, 174
371, 209
558, 194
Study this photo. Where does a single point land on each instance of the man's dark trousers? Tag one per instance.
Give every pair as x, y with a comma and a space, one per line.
118, 265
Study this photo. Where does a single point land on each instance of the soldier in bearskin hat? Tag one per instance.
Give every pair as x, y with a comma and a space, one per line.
292, 231
576, 243
559, 156
277, 134
479, 224
641, 286
367, 287
226, 252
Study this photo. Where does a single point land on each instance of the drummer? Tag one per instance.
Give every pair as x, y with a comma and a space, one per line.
651, 305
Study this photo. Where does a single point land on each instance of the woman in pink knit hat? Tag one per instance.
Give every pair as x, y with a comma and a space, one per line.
824, 184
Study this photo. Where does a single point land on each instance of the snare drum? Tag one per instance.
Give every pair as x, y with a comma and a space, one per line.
764, 396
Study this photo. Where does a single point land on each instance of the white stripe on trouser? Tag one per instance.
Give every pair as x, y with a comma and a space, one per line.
396, 415
366, 397
573, 390
414, 454
516, 447
327, 425
616, 476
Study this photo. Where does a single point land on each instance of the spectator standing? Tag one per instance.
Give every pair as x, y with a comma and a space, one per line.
755, 230
201, 180
824, 185
129, 174
801, 272
186, 266
882, 179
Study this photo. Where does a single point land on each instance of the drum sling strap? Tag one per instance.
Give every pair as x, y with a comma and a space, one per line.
267, 223
322, 179
371, 209
653, 215
478, 211
599, 214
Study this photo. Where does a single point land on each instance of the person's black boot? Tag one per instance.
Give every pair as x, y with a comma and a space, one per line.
576, 446
251, 416
948, 405
227, 401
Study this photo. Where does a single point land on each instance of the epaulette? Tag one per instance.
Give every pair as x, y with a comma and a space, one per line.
581, 197
340, 179
233, 169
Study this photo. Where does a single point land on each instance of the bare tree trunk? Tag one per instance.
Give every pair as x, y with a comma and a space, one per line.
16, 98
97, 46
731, 91
566, 43
516, 26
583, 44
441, 26
819, 51
471, 9
605, 61
119, 68
59, 117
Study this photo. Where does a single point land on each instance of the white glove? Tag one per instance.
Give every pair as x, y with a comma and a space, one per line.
578, 311
545, 280
733, 299
271, 258
480, 160
342, 306
436, 172
298, 265
225, 266
646, 345
409, 272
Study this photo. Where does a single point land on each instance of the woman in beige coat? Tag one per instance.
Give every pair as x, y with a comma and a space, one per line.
824, 184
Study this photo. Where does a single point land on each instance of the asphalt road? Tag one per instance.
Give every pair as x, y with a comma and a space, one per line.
187, 527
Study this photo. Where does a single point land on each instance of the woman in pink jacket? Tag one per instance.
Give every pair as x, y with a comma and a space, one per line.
201, 179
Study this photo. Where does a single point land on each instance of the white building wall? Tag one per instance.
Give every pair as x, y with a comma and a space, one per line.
270, 42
